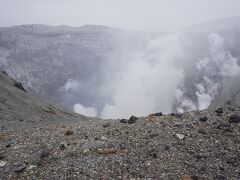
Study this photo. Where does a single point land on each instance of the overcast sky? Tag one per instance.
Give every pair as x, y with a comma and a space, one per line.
162, 15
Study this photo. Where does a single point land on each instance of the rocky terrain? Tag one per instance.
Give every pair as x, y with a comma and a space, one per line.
40, 141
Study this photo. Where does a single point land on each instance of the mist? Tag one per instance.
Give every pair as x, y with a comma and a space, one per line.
147, 15
138, 57
166, 76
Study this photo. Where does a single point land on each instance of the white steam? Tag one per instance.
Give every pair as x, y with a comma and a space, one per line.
70, 85
149, 81
219, 66
212, 70
157, 79
87, 111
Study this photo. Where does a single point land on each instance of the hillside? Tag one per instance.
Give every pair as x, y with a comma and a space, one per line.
195, 145
21, 110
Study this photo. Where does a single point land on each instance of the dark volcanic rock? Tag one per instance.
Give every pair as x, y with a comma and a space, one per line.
167, 148
132, 120
2, 156
69, 132
124, 121
44, 153
232, 161
195, 178
203, 118
219, 111
234, 118
158, 114
178, 115
5, 73
62, 146
20, 168
19, 86
153, 135
105, 125
202, 131
8, 145
220, 177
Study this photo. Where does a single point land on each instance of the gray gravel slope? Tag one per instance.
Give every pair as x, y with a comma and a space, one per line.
19, 109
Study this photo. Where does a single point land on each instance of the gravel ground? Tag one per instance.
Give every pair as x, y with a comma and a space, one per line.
195, 145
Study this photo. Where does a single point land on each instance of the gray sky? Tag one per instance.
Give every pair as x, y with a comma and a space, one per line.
163, 15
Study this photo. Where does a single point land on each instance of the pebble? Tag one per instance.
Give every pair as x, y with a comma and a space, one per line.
178, 124
20, 168
103, 138
86, 151
5, 73
124, 121
231, 161
106, 125
153, 135
106, 151
167, 148
44, 153
3, 163
31, 167
219, 110
96, 138
158, 114
220, 177
186, 177
1, 157
8, 145
180, 136
234, 118
201, 131
154, 155
151, 115
62, 146
132, 120
194, 178
69, 132
203, 118
19, 86
178, 115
